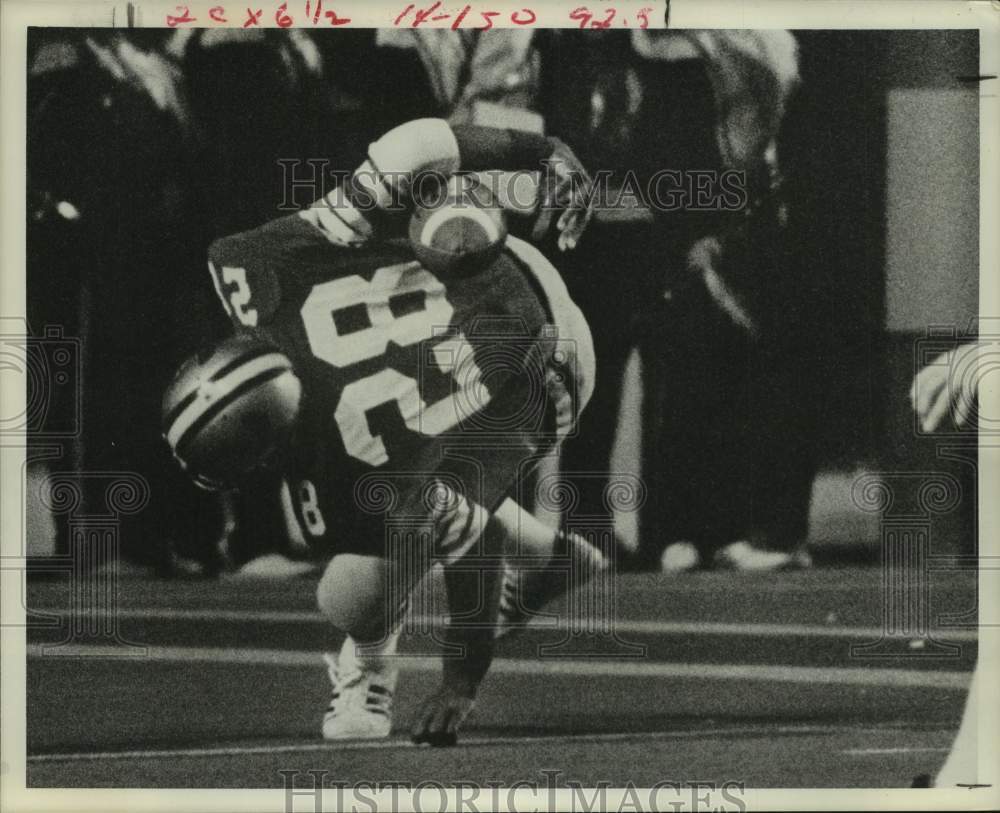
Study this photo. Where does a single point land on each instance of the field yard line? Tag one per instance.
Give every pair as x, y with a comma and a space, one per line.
590, 667
378, 745
867, 752
620, 625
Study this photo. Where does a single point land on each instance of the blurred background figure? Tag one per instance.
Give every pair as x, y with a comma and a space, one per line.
113, 238
946, 388
705, 308
472, 73
727, 395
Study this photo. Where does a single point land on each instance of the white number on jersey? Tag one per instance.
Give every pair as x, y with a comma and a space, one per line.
237, 300
308, 500
453, 355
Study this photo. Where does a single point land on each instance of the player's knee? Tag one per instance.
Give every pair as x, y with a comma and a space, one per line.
351, 594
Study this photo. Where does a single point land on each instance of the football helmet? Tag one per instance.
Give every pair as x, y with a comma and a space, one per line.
231, 410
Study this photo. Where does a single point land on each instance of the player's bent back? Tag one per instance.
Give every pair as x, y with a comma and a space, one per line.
410, 379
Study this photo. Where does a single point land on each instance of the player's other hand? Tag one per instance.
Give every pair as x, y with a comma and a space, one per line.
949, 383
440, 717
569, 188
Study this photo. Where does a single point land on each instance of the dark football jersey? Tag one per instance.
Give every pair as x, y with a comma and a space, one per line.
407, 376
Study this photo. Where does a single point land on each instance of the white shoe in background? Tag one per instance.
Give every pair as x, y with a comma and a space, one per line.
679, 557
742, 555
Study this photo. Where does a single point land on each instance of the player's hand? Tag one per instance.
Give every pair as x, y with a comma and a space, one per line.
440, 717
949, 383
568, 187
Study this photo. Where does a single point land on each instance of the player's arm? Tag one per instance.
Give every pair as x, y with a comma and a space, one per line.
566, 186
382, 184
473, 598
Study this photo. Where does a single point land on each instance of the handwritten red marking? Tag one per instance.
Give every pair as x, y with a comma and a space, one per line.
518, 20
183, 17
643, 14
216, 13
402, 14
606, 22
253, 18
335, 20
281, 16
582, 14
421, 16
488, 17
459, 18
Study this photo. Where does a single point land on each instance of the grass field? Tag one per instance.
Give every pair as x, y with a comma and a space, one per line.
709, 677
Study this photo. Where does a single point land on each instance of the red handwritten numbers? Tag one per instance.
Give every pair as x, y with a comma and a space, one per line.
335, 20
281, 17
255, 18
422, 14
524, 16
414, 17
184, 16
588, 20
461, 16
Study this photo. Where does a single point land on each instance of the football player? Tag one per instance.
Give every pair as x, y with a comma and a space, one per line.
426, 397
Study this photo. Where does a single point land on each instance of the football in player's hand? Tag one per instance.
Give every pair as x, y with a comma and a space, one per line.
231, 410
462, 232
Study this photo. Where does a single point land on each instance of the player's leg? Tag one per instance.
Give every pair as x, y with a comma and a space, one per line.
365, 596
540, 564
961, 767
545, 562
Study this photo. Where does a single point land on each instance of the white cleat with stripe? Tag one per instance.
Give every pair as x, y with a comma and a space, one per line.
361, 702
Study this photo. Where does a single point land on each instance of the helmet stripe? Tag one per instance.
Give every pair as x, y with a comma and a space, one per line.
228, 367
222, 392
216, 408
186, 401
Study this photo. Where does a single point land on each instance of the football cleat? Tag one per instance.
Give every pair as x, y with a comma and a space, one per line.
231, 411
523, 593
361, 702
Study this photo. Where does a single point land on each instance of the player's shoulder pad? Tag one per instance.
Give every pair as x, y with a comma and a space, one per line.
421, 145
273, 240
542, 270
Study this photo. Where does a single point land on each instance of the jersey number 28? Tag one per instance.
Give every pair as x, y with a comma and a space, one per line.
390, 286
